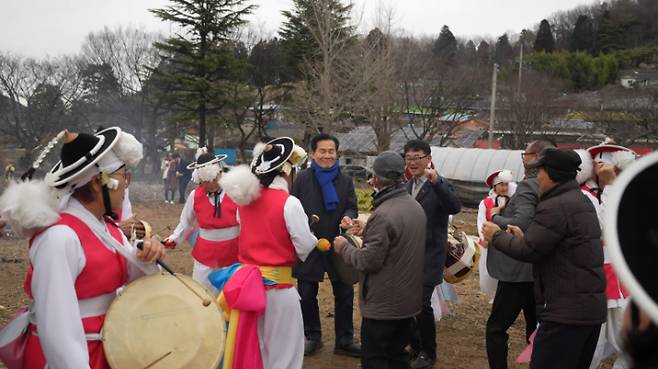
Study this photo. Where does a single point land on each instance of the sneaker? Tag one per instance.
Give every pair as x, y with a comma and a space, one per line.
352, 350
422, 361
311, 347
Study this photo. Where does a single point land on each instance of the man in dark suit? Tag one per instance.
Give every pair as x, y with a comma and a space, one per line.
327, 192
439, 201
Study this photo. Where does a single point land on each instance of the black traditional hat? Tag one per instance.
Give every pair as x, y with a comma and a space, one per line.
275, 153
631, 235
79, 152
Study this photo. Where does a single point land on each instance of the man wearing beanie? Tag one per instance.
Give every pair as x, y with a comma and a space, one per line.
391, 266
563, 244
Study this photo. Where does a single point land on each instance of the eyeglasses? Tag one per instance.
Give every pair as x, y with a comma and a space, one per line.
412, 159
524, 154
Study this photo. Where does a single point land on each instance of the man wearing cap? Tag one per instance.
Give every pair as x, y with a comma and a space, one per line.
214, 213
515, 291
391, 266
274, 233
439, 201
327, 192
78, 256
564, 246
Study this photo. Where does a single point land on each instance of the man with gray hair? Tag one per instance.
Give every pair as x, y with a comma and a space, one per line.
391, 266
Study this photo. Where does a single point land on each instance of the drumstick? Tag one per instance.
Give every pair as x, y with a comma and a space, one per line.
158, 360
314, 219
204, 301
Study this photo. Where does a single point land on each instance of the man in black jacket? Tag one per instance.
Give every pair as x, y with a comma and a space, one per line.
326, 192
514, 292
439, 201
563, 243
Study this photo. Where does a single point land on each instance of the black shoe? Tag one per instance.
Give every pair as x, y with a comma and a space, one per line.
352, 349
311, 347
422, 361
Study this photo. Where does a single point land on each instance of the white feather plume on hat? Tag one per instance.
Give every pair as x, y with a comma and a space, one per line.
586, 166
622, 159
29, 206
241, 185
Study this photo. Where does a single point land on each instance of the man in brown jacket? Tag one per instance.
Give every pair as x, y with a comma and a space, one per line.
391, 266
564, 245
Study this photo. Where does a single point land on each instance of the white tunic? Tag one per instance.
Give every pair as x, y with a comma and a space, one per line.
58, 258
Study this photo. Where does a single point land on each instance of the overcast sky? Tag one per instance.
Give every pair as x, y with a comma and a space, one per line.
53, 27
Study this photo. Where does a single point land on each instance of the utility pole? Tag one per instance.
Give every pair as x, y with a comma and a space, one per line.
492, 114
518, 88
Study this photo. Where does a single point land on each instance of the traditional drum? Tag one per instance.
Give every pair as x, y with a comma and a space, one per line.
346, 272
462, 258
160, 321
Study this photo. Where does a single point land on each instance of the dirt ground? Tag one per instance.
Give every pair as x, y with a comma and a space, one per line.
460, 335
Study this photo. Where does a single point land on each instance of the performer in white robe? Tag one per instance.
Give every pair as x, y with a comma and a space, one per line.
274, 232
78, 256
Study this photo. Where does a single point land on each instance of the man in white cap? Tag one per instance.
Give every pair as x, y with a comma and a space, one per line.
214, 213
78, 257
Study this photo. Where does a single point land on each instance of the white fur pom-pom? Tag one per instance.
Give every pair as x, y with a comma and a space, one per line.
29, 206
586, 166
506, 176
622, 159
241, 185
128, 149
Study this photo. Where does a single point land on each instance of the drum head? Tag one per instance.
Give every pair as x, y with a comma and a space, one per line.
157, 322
346, 272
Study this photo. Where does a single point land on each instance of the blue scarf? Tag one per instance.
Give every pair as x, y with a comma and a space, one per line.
326, 179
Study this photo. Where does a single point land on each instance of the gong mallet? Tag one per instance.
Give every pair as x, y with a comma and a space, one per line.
204, 301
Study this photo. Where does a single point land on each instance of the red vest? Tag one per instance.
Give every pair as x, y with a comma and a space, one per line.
488, 205
264, 237
614, 290
215, 252
104, 272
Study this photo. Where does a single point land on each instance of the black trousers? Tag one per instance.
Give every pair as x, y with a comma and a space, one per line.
182, 186
511, 298
343, 304
423, 336
564, 346
383, 342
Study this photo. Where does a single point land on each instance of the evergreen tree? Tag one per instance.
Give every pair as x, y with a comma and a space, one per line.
545, 40
445, 47
609, 34
297, 38
199, 57
484, 53
582, 38
468, 53
527, 39
504, 52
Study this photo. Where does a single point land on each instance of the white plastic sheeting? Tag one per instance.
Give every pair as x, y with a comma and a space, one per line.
467, 169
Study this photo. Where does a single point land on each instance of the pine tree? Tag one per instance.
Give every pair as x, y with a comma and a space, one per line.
582, 38
200, 56
504, 52
545, 41
484, 53
445, 47
468, 53
297, 38
609, 34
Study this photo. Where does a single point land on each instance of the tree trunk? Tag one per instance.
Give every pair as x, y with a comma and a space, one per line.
202, 124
